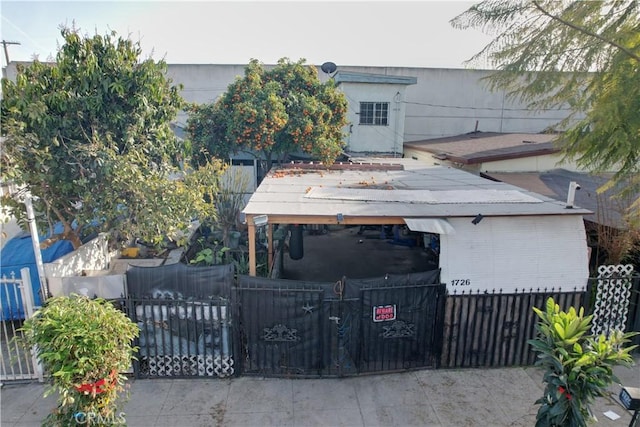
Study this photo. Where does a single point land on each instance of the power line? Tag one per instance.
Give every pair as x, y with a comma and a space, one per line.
483, 108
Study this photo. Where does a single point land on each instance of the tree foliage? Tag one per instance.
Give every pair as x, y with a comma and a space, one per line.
273, 112
580, 55
578, 367
89, 136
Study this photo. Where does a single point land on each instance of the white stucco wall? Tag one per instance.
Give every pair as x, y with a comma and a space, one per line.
529, 164
511, 253
448, 102
375, 138
202, 83
423, 156
444, 102
93, 255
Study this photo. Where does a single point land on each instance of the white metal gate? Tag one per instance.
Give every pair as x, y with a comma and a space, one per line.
16, 305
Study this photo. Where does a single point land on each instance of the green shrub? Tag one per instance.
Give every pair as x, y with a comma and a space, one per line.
83, 345
578, 367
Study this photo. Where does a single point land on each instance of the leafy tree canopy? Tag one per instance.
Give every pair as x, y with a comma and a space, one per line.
89, 137
579, 54
273, 112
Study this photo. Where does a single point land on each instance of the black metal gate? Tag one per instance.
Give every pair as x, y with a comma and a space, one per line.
401, 327
318, 329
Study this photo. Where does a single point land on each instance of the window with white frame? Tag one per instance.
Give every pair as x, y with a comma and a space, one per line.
374, 113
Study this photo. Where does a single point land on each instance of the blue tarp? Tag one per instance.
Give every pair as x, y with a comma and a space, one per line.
17, 254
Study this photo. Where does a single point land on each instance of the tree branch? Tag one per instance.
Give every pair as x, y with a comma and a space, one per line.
585, 31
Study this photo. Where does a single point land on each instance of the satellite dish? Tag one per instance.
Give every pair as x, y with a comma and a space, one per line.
329, 67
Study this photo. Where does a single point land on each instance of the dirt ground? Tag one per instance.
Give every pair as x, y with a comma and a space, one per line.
356, 254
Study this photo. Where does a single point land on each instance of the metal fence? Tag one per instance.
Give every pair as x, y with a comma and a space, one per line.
492, 329
483, 329
315, 331
633, 322
308, 331
182, 338
209, 327
16, 304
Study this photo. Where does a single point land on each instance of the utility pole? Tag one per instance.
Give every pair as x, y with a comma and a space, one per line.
6, 51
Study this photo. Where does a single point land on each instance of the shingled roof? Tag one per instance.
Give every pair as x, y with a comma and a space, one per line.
479, 147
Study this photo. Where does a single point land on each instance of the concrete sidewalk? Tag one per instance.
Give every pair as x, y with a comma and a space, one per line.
470, 397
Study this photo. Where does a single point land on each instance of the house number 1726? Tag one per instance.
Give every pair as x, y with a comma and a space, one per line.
461, 282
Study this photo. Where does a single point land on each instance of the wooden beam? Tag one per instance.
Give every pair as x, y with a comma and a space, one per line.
252, 247
324, 219
270, 247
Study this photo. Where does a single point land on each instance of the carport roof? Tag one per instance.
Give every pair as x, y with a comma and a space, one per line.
390, 188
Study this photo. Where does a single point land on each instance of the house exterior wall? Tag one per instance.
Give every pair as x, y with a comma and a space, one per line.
444, 102
508, 253
422, 156
447, 102
541, 163
373, 138
202, 83
529, 164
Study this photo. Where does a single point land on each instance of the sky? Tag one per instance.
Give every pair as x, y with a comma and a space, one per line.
361, 33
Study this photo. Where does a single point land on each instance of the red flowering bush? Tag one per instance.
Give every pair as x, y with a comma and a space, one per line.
578, 367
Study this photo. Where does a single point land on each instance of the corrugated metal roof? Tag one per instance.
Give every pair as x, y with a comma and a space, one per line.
291, 192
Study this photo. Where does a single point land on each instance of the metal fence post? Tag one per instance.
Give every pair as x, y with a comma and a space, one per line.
28, 302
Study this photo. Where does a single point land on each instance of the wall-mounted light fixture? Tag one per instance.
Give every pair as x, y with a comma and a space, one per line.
260, 220
477, 219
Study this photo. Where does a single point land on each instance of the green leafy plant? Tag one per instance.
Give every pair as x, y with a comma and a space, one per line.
83, 345
210, 256
578, 367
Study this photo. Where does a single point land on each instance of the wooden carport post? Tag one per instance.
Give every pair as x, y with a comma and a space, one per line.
269, 247
251, 223
252, 245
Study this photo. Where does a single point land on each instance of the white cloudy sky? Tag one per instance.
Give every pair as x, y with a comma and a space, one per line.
376, 33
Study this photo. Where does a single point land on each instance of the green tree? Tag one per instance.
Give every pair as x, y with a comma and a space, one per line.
89, 136
581, 55
273, 113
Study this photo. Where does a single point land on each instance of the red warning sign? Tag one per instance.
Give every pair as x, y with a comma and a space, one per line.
384, 313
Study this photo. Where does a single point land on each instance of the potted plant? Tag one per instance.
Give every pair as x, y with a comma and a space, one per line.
578, 367
84, 346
